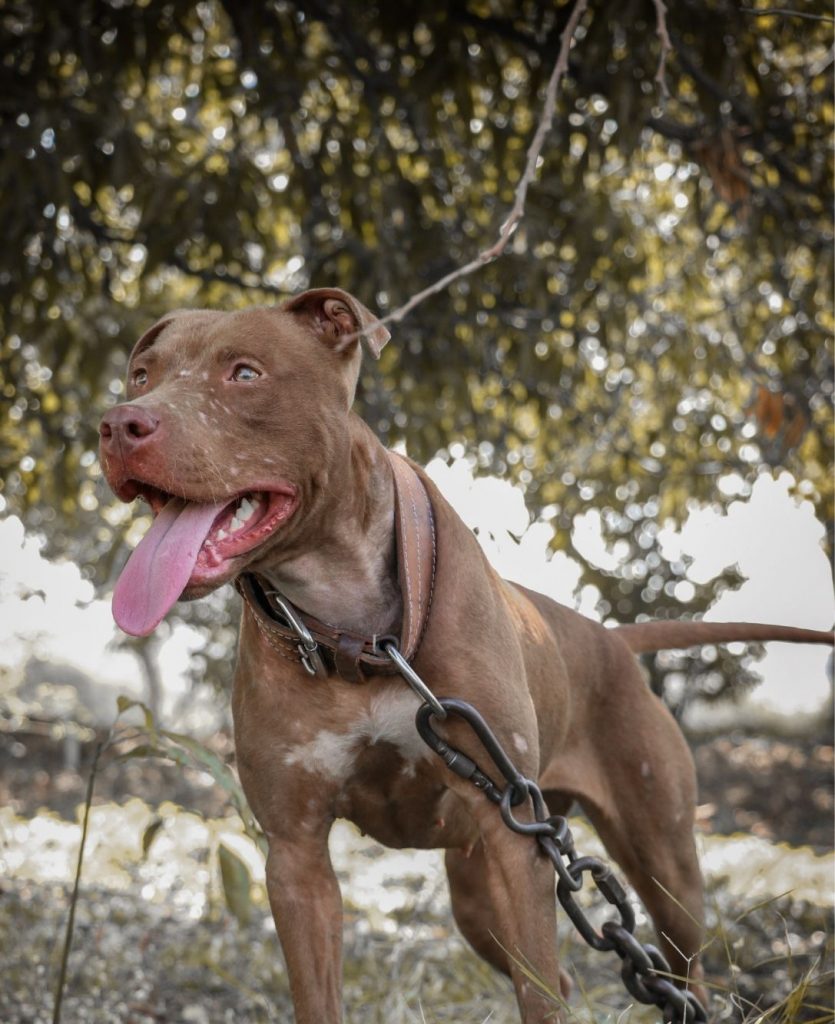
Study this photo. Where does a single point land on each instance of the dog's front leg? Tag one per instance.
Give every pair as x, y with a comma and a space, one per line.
307, 909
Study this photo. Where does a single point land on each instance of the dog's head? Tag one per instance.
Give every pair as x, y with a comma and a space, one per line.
232, 424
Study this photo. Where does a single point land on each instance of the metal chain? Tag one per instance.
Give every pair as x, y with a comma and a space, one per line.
645, 971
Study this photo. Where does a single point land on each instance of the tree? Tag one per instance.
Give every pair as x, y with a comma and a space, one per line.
663, 317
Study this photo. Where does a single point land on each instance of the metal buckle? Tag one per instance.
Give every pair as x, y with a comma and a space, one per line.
308, 649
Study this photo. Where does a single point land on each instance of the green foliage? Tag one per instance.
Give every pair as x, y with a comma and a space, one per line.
150, 833
190, 753
663, 316
237, 884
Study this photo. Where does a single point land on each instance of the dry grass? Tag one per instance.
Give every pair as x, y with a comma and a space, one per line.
155, 941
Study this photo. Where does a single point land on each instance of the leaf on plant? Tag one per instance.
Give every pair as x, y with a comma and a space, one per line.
206, 759
124, 704
236, 884
150, 834
144, 750
192, 751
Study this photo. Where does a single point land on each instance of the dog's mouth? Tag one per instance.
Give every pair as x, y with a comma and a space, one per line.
241, 523
189, 547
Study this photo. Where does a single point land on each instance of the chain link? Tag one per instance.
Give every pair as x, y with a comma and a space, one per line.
645, 971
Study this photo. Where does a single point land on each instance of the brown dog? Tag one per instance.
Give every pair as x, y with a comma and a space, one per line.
238, 431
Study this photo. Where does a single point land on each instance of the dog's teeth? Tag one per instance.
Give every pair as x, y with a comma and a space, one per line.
222, 534
244, 511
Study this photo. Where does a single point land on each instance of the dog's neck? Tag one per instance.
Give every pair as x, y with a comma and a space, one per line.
349, 579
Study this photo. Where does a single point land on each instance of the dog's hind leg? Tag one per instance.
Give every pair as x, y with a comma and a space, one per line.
633, 775
662, 866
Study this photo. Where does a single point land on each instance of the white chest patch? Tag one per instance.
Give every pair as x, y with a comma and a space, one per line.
329, 753
390, 719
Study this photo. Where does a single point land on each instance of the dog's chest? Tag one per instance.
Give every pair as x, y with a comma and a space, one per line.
385, 779
337, 750
392, 800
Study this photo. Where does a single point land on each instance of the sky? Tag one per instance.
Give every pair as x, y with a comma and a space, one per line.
48, 611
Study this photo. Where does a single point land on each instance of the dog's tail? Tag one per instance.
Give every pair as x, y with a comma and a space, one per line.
661, 635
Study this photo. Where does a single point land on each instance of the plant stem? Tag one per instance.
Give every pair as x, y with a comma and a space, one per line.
62, 976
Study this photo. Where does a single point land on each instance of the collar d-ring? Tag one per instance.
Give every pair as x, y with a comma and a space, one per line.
308, 649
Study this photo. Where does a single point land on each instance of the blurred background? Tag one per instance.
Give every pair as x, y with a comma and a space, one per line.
632, 407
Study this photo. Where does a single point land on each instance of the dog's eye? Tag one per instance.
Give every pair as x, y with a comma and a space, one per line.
245, 373
140, 378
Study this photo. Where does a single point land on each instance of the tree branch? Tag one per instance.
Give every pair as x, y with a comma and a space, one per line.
666, 47
544, 126
518, 210
209, 276
786, 12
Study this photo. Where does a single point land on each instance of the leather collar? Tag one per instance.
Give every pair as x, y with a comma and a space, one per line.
354, 656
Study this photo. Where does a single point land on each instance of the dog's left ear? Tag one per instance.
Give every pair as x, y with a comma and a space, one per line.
337, 316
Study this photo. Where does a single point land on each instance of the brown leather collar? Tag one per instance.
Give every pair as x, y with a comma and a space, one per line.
351, 655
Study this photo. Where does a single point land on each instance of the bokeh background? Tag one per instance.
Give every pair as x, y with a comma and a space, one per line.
632, 407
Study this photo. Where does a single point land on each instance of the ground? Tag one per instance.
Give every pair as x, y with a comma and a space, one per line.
155, 940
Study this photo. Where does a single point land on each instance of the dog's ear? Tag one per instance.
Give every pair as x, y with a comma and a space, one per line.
337, 317
151, 335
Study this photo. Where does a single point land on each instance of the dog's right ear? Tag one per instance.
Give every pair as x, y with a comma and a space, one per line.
337, 317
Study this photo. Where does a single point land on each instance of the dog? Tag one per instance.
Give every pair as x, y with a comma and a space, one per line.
239, 433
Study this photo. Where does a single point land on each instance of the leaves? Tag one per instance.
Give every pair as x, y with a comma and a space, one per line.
190, 753
664, 316
150, 833
124, 704
236, 884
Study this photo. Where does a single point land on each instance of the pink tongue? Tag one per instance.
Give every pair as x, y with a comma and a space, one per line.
159, 569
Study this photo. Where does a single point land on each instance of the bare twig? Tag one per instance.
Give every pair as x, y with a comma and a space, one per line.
518, 209
544, 126
65, 954
666, 47
786, 12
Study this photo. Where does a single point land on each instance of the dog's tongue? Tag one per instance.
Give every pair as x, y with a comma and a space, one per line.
160, 567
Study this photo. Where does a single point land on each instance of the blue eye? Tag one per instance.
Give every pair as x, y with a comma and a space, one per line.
140, 378
245, 373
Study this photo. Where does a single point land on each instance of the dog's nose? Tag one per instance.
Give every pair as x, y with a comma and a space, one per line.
127, 425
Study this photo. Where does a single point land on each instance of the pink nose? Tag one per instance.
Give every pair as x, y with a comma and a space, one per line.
126, 427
